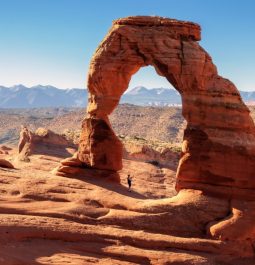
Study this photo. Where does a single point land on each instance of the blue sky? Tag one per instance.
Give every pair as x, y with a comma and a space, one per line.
52, 41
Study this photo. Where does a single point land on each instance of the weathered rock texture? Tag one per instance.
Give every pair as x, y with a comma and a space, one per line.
42, 141
218, 151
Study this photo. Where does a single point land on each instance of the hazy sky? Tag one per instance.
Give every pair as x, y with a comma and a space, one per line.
52, 41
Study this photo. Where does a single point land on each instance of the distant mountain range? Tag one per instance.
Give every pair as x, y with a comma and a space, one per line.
143, 96
39, 96
20, 96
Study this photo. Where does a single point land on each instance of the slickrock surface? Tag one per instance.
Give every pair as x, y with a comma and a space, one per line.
49, 219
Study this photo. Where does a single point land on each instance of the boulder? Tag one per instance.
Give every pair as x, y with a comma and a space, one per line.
5, 163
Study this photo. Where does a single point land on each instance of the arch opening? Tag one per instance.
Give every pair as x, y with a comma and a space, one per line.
148, 88
151, 129
148, 77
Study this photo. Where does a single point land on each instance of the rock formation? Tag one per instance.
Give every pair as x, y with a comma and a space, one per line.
42, 141
5, 163
218, 151
164, 157
4, 150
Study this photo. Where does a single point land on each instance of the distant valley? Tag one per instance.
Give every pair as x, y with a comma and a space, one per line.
152, 123
20, 96
164, 124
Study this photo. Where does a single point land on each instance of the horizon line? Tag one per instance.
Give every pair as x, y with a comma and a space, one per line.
171, 88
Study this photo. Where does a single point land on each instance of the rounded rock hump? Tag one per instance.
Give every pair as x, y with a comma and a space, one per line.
5, 163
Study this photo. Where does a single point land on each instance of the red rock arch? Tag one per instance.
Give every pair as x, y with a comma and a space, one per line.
219, 141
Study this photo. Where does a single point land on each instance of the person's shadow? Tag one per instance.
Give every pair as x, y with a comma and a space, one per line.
107, 179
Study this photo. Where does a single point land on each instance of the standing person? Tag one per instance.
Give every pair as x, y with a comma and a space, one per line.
129, 181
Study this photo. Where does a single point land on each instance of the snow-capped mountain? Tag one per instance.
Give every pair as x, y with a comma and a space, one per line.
20, 96
152, 97
39, 96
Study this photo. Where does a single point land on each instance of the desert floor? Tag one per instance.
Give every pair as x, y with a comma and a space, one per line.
48, 219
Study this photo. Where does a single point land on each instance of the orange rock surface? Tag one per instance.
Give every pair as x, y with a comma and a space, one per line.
49, 219
5, 163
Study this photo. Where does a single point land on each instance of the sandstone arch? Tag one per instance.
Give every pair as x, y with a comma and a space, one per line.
219, 141
217, 167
